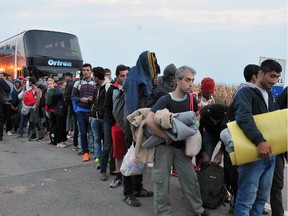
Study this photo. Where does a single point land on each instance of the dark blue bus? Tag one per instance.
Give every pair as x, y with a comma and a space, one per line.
40, 53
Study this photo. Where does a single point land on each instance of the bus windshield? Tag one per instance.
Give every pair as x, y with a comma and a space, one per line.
51, 44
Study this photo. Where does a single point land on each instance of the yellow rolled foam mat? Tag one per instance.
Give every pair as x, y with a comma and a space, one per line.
272, 125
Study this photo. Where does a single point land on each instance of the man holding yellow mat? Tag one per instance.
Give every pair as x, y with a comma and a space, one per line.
255, 178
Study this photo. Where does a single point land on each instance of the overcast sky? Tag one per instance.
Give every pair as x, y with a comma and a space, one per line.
218, 38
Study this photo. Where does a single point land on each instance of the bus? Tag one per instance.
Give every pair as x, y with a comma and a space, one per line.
40, 53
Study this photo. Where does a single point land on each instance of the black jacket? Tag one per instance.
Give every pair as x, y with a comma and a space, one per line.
249, 102
61, 105
207, 124
68, 92
4, 88
98, 107
282, 99
109, 98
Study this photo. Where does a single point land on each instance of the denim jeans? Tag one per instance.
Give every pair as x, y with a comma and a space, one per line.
97, 132
83, 123
23, 121
106, 152
77, 138
209, 142
254, 183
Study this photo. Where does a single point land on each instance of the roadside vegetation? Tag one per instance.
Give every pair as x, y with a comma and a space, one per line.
223, 93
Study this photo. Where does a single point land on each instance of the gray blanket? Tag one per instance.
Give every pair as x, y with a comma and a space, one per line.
184, 125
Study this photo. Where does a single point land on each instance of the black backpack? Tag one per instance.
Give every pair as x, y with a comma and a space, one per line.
150, 100
211, 181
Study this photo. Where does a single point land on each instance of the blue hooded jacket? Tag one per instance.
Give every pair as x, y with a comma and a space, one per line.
139, 79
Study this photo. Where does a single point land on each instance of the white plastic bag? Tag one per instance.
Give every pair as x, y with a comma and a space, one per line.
130, 166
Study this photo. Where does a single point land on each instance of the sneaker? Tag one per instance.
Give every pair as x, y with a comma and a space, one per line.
19, 137
132, 201
115, 183
98, 164
40, 139
75, 148
103, 177
9, 133
49, 142
144, 193
91, 151
86, 157
61, 145
174, 173
67, 143
32, 139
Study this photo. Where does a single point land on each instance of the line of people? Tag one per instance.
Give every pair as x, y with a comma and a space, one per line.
84, 109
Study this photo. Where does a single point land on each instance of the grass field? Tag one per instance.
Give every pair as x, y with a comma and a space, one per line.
223, 93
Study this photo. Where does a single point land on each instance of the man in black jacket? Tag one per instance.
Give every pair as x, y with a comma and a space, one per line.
101, 129
255, 178
118, 148
278, 178
71, 115
210, 128
4, 88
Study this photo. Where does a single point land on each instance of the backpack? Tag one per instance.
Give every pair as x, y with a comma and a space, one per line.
99, 106
118, 109
29, 97
211, 181
149, 101
49, 95
68, 92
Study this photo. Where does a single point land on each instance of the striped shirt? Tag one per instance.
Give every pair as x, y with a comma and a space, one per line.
82, 89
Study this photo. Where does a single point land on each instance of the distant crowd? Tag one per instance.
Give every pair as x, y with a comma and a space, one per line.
101, 117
